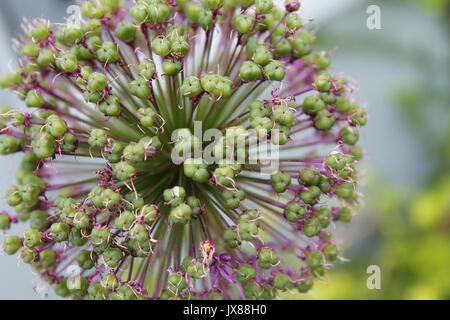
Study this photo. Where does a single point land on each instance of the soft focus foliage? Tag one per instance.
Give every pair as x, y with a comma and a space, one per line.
116, 180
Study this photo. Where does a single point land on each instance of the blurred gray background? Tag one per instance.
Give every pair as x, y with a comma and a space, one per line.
378, 60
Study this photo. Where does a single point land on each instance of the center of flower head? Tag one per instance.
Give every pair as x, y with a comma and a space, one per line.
179, 149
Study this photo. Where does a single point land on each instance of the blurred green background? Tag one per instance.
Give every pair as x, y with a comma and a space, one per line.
401, 73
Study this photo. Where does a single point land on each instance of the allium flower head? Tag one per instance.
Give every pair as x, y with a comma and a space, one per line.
178, 150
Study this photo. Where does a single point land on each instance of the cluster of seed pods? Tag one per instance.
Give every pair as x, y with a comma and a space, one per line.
112, 99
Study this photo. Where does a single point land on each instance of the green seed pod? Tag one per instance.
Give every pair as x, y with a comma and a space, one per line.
244, 23
112, 257
254, 291
324, 216
345, 214
61, 289
250, 71
282, 282
139, 233
44, 145
5, 222
323, 82
93, 10
9, 145
311, 195
94, 43
81, 220
303, 44
97, 292
275, 71
343, 105
328, 97
284, 116
11, 245
78, 286
31, 50
34, 99
40, 30
179, 46
139, 13
150, 213
111, 106
263, 6
282, 47
124, 292
205, 19
100, 239
147, 117
193, 11
46, 58
356, 153
125, 220
336, 161
293, 21
97, 82
181, 214
267, 258
171, 66
161, 46
124, 171
67, 62
345, 190
39, 220
110, 282
215, 296
305, 285
147, 70
331, 252
196, 169
312, 227
28, 256
126, 31
191, 87
245, 273
77, 238
32, 238
324, 120
350, 136
108, 52
177, 283
214, 4
231, 238
47, 258
294, 212
140, 88
313, 104
56, 126
196, 270
322, 60
280, 181
69, 34
359, 117
158, 12
262, 55
98, 138
175, 196
310, 176
60, 232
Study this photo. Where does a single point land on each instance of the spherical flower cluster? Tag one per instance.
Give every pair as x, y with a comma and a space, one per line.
98, 183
